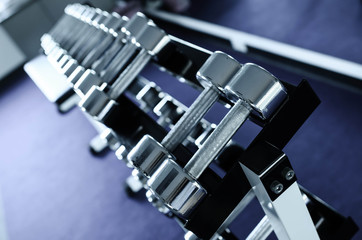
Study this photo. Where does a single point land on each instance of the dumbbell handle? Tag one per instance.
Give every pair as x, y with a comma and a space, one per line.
218, 138
191, 117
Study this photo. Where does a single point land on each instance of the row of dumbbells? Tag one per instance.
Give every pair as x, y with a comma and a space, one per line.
105, 55
102, 55
82, 79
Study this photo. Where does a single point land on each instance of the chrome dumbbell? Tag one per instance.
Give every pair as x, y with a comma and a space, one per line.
83, 79
56, 56
215, 73
68, 24
81, 26
75, 42
112, 31
81, 46
132, 28
128, 50
112, 21
98, 45
251, 89
92, 28
152, 41
78, 25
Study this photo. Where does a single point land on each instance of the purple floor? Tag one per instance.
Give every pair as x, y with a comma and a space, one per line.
53, 188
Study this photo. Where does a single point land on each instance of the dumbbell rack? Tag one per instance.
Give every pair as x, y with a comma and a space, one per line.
261, 170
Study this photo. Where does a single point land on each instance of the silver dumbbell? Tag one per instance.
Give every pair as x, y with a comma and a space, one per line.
77, 26
92, 29
128, 50
83, 44
152, 41
148, 96
83, 79
68, 24
133, 27
251, 88
114, 22
96, 47
74, 42
71, 38
215, 73
107, 42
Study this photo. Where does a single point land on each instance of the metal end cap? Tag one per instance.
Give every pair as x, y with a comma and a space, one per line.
76, 74
176, 189
218, 70
147, 155
258, 87
152, 38
96, 103
86, 81
135, 24
70, 67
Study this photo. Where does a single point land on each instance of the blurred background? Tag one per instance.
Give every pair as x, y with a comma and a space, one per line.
52, 187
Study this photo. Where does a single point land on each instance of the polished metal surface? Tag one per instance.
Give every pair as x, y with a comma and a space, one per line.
218, 139
151, 40
261, 231
259, 88
171, 184
88, 79
262, 91
149, 96
218, 70
168, 110
147, 155
190, 119
76, 75
102, 55
111, 138
185, 125
132, 27
305, 62
97, 103
227, 67
70, 67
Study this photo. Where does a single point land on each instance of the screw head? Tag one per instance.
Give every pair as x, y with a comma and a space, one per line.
276, 187
288, 173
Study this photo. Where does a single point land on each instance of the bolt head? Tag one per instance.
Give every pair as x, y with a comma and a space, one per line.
288, 173
276, 187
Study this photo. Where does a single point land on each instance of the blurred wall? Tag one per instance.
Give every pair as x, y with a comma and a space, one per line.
11, 56
27, 26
